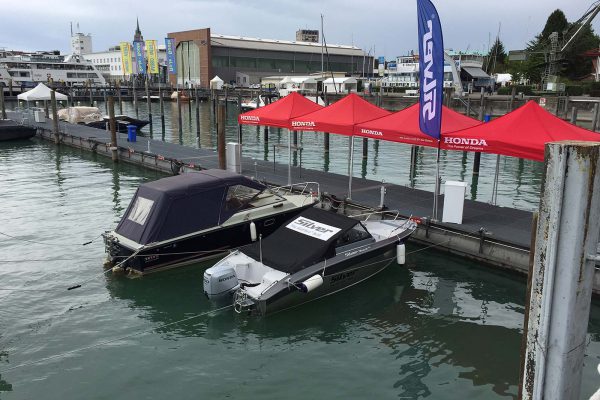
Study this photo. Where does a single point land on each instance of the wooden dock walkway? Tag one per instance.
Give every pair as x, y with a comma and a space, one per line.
495, 235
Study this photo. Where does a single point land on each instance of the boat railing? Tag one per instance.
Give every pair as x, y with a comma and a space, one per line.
301, 188
395, 213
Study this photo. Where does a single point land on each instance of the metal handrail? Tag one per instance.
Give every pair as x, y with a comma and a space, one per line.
290, 188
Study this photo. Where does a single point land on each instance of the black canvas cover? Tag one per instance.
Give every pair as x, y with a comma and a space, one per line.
179, 205
290, 251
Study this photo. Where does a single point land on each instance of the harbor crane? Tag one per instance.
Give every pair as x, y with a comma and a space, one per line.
555, 54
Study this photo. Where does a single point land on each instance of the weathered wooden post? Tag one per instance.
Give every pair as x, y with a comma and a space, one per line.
574, 115
135, 101
513, 92
595, 117
91, 95
221, 135
10, 87
563, 272
161, 103
113, 129
197, 112
179, 119
104, 98
477, 156
2, 103
46, 111
118, 88
54, 117
148, 102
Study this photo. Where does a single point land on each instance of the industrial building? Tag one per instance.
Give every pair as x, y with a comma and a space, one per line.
244, 61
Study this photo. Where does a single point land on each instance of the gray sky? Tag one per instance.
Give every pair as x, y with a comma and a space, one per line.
390, 27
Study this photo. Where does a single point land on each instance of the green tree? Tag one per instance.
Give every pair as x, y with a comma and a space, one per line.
572, 64
496, 58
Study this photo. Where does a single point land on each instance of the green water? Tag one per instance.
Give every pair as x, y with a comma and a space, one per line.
439, 327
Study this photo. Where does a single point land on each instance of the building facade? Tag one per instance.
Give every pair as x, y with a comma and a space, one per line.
200, 55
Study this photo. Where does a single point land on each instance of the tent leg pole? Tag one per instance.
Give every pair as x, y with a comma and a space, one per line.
350, 167
290, 158
495, 187
437, 186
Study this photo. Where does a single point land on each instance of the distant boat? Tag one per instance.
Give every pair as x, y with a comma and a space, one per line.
11, 130
91, 116
183, 97
152, 98
251, 105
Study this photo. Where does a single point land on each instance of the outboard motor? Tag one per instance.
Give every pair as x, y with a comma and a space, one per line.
220, 282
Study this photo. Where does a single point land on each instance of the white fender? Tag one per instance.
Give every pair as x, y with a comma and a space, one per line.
401, 254
311, 283
253, 235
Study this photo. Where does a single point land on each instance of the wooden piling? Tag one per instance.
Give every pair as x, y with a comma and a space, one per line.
113, 129
513, 92
118, 87
91, 96
54, 117
221, 135
574, 115
595, 117
135, 102
2, 107
149, 103
162, 112
104, 98
477, 156
10, 88
197, 112
179, 119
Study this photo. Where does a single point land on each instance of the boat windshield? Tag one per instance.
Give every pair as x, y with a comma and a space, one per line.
240, 197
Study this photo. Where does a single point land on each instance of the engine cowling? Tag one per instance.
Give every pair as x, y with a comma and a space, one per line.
220, 282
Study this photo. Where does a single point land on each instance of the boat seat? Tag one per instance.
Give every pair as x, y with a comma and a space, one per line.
267, 280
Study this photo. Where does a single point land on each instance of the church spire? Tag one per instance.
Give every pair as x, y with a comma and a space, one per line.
138, 37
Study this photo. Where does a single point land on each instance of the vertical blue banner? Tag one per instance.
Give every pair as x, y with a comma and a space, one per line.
171, 59
140, 57
431, 69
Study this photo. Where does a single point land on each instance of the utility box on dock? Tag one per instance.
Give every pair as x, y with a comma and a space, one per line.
454, 201
39, 116
234, 157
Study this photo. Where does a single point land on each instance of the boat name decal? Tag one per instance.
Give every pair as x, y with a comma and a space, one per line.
250, 118
344, 275
355, 252
467, 141
312, 228
371, 132
303, 123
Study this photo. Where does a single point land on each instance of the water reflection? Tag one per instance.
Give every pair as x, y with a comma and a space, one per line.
433, 317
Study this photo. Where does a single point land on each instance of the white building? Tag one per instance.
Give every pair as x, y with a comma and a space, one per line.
81, 43
110, 64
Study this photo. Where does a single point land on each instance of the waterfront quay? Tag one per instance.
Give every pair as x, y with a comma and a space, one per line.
498, 236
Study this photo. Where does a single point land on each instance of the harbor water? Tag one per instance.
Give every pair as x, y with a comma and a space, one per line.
439, 327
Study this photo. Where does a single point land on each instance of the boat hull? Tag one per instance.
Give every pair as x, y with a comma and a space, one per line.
193, 248
10, 130
338, 276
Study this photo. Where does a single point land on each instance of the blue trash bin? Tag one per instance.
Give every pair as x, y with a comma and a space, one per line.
131, 133
486, 118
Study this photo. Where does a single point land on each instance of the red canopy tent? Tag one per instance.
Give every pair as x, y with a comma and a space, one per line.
521, 133
403, 126
340, 117
280, 113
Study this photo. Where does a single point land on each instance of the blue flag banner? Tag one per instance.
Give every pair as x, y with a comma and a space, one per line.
431, 67
140, 56
171, 59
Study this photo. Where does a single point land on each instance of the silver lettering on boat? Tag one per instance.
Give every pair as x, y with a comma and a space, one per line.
312, 228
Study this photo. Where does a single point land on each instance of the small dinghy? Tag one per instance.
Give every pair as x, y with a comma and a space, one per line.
312, 255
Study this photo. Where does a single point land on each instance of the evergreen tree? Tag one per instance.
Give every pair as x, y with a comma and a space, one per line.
496, 59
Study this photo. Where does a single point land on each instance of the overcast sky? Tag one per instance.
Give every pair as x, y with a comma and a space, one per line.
390, 27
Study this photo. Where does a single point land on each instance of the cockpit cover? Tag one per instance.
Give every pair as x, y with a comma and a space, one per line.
304, 240
179, 205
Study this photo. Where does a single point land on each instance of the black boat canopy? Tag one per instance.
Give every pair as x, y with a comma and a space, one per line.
179, 205
302, 241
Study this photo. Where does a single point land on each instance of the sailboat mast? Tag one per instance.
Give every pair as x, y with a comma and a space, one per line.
322, 45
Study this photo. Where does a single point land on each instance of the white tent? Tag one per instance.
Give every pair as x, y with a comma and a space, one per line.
40, 92
340, 85
216, 83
